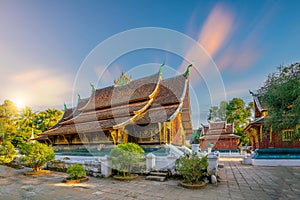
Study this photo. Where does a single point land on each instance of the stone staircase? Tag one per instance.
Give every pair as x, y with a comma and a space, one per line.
157, 176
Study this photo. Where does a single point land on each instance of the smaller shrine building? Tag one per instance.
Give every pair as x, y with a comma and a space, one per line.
220, 135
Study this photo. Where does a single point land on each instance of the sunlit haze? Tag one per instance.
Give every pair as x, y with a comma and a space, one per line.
19, 103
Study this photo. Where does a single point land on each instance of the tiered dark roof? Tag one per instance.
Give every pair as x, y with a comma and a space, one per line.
259, 108
218, 130
145, 100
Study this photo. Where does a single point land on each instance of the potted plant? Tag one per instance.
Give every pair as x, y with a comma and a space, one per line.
195, 141
193, 169
124, 158
76, 173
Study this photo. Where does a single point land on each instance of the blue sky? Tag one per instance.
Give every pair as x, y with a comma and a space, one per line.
44, 43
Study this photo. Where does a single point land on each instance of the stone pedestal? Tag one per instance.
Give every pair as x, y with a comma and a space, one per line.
209, 150
150, 162
195, 148
213, 159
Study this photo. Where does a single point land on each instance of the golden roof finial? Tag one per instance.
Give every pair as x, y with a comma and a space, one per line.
122, 80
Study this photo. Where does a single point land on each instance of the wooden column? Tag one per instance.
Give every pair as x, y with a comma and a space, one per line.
125, 136
113, 134
160, 133
261, 133
271, 134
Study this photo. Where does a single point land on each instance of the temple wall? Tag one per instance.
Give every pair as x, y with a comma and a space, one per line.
221, 144
91, 166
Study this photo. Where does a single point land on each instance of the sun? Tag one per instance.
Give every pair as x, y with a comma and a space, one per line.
19, 103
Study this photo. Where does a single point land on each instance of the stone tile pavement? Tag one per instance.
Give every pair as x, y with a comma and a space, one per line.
237, 182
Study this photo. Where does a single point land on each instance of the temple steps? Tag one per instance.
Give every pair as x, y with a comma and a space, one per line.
157, 176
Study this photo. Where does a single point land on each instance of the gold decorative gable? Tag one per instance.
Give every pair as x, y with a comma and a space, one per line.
122, 80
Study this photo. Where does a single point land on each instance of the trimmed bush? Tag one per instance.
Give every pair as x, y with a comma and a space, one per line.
36, 155
125, 157
192, 168
76, 172
7, 152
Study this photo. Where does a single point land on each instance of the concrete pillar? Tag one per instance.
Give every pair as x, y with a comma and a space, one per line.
150, 162
213, 159
106, 166
195, 148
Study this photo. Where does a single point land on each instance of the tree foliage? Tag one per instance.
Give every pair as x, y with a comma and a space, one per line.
192, 168
8, 119
239, 114
7, 152
218, 113
281, 96
36, 155
18, 125
125, 157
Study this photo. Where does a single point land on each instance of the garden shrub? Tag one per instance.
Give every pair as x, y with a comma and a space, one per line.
76, 172
125, 157
36, 155
192, 168
7, 152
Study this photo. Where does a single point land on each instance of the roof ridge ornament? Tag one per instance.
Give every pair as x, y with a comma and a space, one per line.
65, 107
160, 68
79, 98
187, 72
123, 79
92, 87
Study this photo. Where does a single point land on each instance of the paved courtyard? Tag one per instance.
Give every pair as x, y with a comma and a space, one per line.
237, 182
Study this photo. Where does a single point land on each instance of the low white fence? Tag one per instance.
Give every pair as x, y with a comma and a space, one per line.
101, 166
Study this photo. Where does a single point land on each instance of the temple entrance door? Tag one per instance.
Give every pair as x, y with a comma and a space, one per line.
132, 139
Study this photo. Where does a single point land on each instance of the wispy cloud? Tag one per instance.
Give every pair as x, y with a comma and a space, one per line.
215, 32
217, 29
218, 37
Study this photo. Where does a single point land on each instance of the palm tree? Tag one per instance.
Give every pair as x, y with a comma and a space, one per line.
52, 116
27, 118
25, 126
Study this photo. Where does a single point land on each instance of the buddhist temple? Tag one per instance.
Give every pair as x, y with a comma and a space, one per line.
147, 111
262, 136
220, 135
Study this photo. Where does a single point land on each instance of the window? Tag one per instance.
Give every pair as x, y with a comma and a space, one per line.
287, 135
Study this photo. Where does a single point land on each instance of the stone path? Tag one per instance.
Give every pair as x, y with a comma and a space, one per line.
237, 182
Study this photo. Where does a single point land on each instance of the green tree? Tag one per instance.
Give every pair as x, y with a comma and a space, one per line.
213, 113
8, 117
281, 96
25, 127
48, 118
239, 114
125, 157
36, 155
7, 152
18, 126
218, 113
